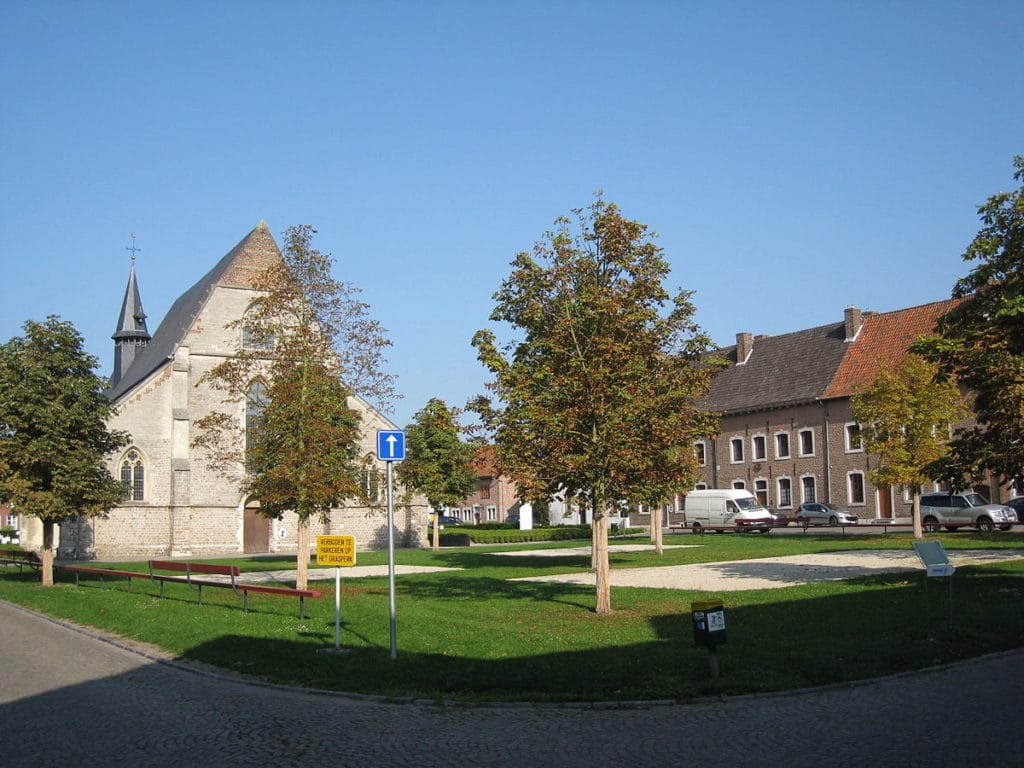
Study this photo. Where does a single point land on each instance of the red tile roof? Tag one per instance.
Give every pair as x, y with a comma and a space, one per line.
883, 340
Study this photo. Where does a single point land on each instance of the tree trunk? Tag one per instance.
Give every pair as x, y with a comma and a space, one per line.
302, 557
915, 511
46, 570
437, 530
602, 569
657, 535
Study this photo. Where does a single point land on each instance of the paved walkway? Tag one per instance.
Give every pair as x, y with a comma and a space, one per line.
771, 572
68, 697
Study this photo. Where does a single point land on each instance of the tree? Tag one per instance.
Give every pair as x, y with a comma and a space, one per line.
980, 343
437, 462
309, 345
597, 396
906, 416
53, 430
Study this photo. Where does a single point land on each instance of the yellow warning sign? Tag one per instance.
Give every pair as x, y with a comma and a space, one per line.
335, 550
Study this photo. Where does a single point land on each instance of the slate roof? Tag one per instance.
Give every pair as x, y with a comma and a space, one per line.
132, 320
781, 370
236, 269
883, 341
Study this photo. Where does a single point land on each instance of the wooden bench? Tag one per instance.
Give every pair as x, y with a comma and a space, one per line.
190, 570
182, 572
265, 589
20, 558
232, 572
78, 570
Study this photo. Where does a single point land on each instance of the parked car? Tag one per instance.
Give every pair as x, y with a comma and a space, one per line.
817, 513
446, 520
1017, 505
955, 509
780, 518
512, 519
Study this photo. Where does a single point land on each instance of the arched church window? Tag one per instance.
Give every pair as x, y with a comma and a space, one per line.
255, 334
133, 475
255, 403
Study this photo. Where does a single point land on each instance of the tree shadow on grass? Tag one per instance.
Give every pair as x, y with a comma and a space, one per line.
790, 643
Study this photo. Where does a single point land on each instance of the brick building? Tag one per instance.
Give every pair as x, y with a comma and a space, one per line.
787, 430
495, 495
178, 506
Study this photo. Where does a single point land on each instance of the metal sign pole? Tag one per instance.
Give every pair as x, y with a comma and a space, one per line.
391, 564
337, 608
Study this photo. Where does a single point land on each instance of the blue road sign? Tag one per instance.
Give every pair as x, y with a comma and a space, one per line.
390, 444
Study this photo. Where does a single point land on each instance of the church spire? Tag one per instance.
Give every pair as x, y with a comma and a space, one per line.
131, 334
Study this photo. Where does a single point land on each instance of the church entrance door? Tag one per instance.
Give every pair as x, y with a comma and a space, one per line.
255, 530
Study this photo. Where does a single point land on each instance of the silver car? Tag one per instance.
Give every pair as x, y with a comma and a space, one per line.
816, 513
953, 510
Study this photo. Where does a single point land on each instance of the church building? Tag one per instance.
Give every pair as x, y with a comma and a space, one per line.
176, 505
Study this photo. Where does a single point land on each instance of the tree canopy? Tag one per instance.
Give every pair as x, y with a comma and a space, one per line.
906, 416
980, 343
596, 394
309, 345
53, 430
437, 462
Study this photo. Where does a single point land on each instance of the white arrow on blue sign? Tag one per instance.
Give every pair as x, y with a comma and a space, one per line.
390, 444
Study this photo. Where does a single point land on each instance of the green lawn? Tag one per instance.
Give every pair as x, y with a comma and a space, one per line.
471, 635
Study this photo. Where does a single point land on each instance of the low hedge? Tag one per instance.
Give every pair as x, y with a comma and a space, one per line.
486, 534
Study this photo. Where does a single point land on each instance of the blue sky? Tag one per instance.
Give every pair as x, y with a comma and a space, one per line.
794, 157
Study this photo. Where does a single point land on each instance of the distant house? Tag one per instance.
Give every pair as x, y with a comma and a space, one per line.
176, 504
495, 496
8, 519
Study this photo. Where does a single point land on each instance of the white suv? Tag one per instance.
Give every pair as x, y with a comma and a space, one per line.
955, 509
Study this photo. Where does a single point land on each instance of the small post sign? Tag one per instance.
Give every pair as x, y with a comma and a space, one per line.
709, 629
337, 551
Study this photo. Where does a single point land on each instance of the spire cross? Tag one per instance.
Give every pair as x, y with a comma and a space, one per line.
132, 248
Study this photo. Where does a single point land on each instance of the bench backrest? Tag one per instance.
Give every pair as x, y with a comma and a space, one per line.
190, 568
20, 554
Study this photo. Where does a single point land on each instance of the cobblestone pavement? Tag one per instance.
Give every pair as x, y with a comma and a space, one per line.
70, 697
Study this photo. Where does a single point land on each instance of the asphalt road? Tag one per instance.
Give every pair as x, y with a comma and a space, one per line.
71, 698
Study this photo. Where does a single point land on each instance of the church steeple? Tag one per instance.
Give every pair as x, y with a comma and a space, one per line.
131, 334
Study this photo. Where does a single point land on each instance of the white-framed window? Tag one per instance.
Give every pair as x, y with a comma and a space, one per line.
785, 492
855, 488
133, 475
701, 452
758, 448
492, 514
782, 445
808, 489
854, 439
739, 485
761, 491
806, 438
736, 450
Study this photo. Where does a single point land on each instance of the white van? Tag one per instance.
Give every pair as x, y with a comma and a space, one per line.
725, 508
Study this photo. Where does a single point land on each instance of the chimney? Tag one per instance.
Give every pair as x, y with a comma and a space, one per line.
744, 346
853, 318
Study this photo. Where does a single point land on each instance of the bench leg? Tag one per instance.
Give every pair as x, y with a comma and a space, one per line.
245, 601
200, 601
302, 607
